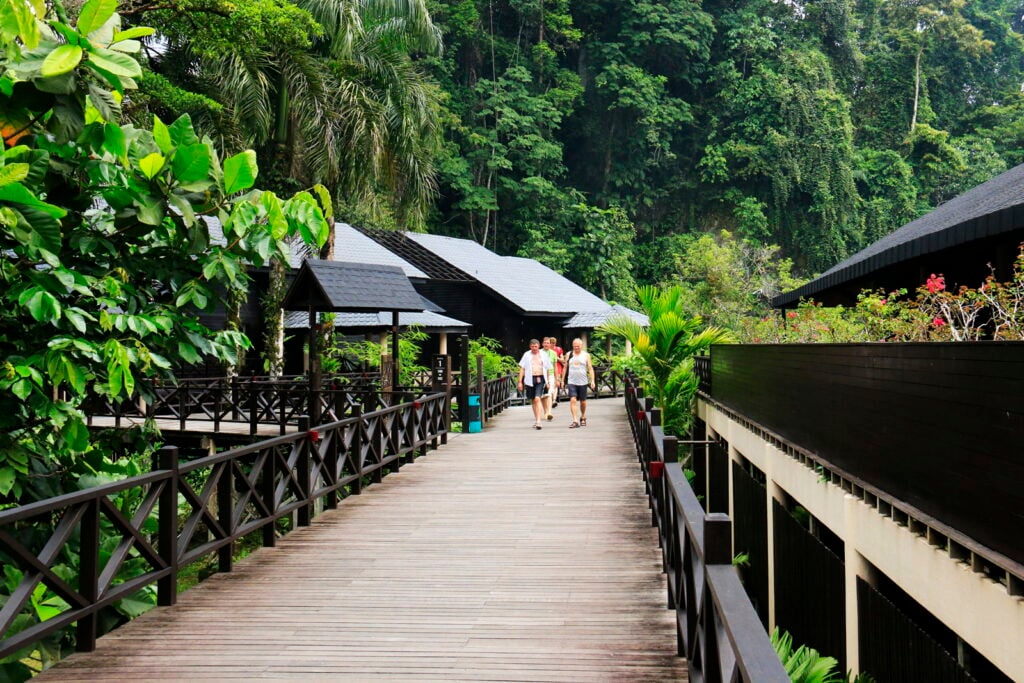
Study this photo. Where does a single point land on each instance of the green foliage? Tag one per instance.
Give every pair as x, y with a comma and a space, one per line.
496, 363
667, 347
805, 665
783, 123
369, 353
725, 280
107, 256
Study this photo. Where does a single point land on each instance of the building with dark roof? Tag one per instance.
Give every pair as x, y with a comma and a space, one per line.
508, 298
958, 239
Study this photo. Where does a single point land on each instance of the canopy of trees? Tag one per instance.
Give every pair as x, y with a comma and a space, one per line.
817, 126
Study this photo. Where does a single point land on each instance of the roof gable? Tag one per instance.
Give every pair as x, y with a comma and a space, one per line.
525, 283
342, 286
994, 207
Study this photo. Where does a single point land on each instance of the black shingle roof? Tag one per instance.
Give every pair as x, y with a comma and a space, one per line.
992, 208
342, 286
419, 256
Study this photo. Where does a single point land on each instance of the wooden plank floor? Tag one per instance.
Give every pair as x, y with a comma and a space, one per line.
512, 555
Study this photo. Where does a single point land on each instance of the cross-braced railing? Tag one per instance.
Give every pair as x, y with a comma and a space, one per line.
717, 629
67, 558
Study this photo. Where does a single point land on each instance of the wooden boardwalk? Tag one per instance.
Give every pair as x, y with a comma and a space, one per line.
512, 555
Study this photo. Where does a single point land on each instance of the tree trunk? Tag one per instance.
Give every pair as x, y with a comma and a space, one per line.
917, 88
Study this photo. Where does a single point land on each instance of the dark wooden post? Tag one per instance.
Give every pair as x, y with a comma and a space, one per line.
89, 574
182, 404
226, 514
480, 388
394, 350
464, 385
357, 447
315, 379
303, 467
254, 407
268, 486
167, 522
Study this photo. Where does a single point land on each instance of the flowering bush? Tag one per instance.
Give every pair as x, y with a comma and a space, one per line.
994, 310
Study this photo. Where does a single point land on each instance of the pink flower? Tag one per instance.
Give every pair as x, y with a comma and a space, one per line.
938, 322
792, 314
885, 301
935, 284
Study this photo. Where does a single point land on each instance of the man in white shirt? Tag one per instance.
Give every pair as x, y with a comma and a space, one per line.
534, 368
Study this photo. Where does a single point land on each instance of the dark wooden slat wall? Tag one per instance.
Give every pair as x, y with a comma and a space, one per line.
810, 594
937, 425
915, 656
750, 529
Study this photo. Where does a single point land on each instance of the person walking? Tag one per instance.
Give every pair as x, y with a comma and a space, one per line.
553, 379
579, 374
534, 368
559, 369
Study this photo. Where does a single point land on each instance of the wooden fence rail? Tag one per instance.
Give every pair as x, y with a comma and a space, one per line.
126, 536
717, 629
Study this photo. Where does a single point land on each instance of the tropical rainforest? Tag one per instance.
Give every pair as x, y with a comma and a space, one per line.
601, 137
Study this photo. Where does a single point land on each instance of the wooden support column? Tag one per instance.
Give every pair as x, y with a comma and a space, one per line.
442, 348
394, 349
315, 379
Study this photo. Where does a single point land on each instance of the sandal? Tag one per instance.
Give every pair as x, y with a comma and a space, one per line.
583, 422
574, 425
550, 417
536, 426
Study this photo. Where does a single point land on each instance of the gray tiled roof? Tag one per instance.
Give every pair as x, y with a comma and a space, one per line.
991, 208
527, 284
353, 246
340, 286
592, 319
380, 319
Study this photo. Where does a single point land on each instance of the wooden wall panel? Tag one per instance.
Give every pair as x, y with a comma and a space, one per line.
939, 426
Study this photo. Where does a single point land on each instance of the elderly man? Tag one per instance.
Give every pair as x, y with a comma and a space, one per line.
534, 368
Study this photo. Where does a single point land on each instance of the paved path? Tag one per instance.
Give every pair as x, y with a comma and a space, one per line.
512, 555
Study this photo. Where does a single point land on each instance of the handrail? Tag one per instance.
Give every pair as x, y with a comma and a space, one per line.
197, 508
251, 400
717, 629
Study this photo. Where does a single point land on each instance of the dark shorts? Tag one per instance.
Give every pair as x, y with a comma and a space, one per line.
538, 390
578, 391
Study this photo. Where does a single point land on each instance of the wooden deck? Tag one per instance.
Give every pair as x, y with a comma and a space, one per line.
512, 555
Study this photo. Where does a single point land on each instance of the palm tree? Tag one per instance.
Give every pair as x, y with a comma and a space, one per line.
352, 110
667, 347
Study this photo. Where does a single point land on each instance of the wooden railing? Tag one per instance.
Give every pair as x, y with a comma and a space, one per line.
702, 367
497, 395
253, 401
126, 536
717, 629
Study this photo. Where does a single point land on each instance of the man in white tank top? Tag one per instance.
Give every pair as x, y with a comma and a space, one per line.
579, 374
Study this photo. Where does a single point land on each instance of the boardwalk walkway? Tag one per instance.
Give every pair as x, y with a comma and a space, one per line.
513, 555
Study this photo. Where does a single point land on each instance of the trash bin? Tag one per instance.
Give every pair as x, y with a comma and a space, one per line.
475, 425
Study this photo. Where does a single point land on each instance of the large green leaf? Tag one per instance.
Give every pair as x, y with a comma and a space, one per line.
16, 193
114, 140
151, 164
162, 135
240, 172
62, 60
115, 62
134, 32
191, 163
43, 306
13, 173
94, 14
182, 132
